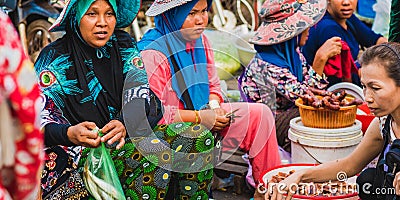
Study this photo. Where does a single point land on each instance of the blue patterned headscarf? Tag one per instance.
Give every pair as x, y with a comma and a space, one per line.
189, 55
283, 55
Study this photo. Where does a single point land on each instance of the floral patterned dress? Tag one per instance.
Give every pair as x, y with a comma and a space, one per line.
261, 79
18, 86
277, 87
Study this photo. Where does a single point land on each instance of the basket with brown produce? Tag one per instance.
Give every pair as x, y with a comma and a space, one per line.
324, 109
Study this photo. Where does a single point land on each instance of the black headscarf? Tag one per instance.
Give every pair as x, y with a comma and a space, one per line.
89, 80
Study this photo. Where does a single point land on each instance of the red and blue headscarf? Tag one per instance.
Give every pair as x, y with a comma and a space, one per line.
190, 56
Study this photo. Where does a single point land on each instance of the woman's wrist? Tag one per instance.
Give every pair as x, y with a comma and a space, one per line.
197, 119
214, 104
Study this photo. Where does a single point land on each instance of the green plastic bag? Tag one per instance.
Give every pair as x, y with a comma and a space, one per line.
99, 174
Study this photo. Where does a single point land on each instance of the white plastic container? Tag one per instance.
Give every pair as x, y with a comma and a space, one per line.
314, 145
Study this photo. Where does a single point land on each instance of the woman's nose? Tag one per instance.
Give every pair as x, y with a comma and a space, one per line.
101, 20
346, 2
199, 18
368, 96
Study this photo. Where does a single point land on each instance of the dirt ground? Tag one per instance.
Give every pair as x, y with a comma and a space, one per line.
230, 195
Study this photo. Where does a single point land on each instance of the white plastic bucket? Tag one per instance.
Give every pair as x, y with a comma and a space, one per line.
314, 145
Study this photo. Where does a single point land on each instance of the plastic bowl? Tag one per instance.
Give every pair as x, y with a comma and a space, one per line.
266, 176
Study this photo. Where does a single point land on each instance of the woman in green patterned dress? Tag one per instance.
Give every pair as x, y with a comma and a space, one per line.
92, 78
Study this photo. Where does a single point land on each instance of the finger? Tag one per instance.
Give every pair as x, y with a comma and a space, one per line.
220, 112
89, 133
116, 137
111, 125
121, 143
281, 191
274, 195
397, 188
223, 119
396, 182
223, 122
290, 195
89, 125
220, 125
112, 133
215, 128
268, 194
336, 38
92, 143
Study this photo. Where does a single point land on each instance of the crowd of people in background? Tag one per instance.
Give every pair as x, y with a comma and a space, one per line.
158, 102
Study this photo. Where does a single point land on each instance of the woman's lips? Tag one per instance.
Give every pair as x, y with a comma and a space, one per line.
347, 12
101, 35
199, 30
372, 109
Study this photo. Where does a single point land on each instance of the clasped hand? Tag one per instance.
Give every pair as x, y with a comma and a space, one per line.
284, 189
214, 119
83, 134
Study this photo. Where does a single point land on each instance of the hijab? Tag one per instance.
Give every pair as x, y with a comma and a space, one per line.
283, 55
90, 80
190, 56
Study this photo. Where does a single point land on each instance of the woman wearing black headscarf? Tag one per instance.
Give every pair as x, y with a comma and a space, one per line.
94, 78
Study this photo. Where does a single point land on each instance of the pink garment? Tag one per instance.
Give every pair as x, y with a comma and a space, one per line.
253, 132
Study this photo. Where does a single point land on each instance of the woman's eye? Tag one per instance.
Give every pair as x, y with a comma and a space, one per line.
375, 88
110, 13
91, 13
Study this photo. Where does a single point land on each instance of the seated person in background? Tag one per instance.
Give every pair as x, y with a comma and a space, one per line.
279, 71
179, 62
380, 76
339, 21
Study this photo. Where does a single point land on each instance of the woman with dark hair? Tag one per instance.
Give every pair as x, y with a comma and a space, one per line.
380, 77
340, 21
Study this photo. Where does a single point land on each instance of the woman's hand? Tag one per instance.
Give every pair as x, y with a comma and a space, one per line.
220, 111
214, 119
82, 134
114, 131
287, 187
330, 48
396, 183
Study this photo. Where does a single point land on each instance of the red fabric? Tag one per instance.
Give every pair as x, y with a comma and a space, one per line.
341, 65
19, 86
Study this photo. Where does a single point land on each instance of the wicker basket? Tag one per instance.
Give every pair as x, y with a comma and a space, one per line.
326, 118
